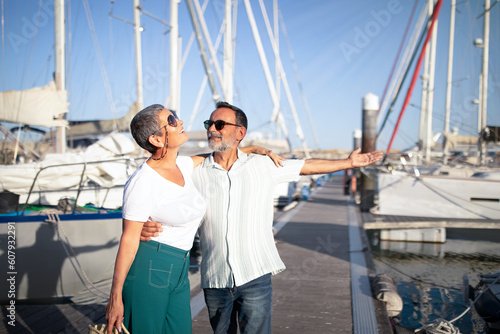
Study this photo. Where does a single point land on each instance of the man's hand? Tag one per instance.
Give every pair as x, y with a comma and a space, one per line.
149, 230
278, 160
365, 159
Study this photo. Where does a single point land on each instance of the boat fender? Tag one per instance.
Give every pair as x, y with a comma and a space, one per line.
467, 290
386, 291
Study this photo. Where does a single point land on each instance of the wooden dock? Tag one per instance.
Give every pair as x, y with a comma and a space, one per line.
376, 222
324, 289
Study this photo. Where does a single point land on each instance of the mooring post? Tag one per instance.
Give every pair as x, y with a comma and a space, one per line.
370, 108
356, 173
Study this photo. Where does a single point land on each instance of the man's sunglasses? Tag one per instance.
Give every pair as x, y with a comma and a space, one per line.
219, 125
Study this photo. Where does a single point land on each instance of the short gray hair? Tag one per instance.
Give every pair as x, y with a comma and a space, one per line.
241, 118
144, 124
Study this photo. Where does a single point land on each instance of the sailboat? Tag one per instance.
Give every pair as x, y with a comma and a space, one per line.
61, 215
440, 185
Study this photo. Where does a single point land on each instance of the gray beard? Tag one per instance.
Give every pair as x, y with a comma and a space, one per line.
221, 146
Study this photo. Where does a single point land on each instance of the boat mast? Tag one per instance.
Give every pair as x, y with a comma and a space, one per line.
428, 91
60, 69
425, 86
203, 53
276, 64
228, 54
284, 80
174, 57
138, 54
450, 74
483, 86
265, 67
272, 89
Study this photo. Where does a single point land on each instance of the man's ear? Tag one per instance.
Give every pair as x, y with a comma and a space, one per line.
241, 133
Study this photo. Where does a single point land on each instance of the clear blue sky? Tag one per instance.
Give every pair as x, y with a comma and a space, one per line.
343, 50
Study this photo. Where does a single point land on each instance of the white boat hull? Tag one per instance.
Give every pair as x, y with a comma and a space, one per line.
438, 196
41, 268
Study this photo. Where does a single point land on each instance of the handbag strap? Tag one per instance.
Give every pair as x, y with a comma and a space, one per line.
102, 330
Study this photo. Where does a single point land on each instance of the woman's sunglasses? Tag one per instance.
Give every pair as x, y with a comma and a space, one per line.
219, 125
171, 120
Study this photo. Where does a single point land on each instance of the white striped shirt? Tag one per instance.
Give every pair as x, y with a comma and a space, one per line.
236, 233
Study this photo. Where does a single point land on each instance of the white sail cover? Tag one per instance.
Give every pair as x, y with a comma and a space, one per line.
36, 106
19, 178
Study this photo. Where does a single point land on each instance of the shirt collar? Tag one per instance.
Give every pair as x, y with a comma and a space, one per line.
210, 162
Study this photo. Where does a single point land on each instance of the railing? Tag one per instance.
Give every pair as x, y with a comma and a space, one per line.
128, 162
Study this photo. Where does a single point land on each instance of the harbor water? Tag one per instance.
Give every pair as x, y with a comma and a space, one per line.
429, 276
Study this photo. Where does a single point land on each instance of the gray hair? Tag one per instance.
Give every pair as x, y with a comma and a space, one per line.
241, 118
144, 124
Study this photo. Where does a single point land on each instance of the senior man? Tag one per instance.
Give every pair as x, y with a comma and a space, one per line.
238, 250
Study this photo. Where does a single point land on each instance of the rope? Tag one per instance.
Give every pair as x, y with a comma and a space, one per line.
439, 326
54, 218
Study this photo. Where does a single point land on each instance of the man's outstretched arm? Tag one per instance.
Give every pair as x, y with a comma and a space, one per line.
355, 159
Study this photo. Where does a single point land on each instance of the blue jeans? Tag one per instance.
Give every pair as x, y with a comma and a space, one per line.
248, 306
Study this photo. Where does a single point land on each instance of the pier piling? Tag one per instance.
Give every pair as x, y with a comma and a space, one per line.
370, 109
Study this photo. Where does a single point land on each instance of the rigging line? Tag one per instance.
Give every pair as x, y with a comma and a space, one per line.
403, 65
196, 106
33, 44
111, 48
298, 128
209, 43
441, 192
203, 84
435, 14
416, 279
201, 47
3, 48
191, 39
471, 26
44, 67
16, 147
100, 59
398, 90
398, 54
491, 6
299, 80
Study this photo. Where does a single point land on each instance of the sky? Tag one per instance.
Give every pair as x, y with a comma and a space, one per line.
343, 50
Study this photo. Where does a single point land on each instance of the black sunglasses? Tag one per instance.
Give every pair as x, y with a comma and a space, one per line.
219, 125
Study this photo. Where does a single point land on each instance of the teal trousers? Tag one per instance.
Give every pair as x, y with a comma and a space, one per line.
156, 293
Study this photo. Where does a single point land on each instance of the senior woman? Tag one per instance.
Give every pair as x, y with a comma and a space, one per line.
150, 291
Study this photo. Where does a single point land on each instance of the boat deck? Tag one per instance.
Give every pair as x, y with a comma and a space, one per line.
324, 289
372, 221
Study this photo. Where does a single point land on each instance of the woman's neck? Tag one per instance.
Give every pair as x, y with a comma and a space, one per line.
168, 161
